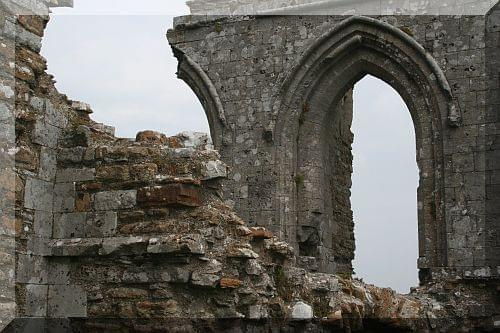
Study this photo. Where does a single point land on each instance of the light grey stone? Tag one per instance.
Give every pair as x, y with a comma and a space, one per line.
46, 134
64, 197
38, 195
204, 279
302, 311
257, 311
67, 302
74, 154
214, 169
42, 224
188, 244
37, 103
115, 200
113, 245
31, 269
48, 164
23, 36
36, 300
69, 225
101, 224
59, 271
54, 116
75, 175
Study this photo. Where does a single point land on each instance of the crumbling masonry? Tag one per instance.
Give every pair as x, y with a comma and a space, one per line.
161, 232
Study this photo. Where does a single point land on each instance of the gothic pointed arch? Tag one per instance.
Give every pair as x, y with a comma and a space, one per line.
196, 78
314, 96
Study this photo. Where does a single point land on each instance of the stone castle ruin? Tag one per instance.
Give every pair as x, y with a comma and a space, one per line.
160, 233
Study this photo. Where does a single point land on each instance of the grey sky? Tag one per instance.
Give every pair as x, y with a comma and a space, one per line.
116, 57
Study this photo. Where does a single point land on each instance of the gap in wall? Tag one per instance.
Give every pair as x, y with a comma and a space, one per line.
123, 66
384, 191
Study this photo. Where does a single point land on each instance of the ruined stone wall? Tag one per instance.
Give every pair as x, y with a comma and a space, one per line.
339, 7
135, 235
492, 120
326, 158
250, 60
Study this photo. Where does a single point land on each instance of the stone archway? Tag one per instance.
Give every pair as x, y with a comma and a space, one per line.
196, 78
316, 95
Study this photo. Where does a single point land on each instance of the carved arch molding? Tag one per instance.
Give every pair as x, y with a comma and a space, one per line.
314, 103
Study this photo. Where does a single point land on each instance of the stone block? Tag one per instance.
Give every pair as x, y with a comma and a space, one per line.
37, 103
83, 202
176, 275
101, 224
227, 283
31, 269
66, 302
42, 224
113, 200
64, 197
204, 280
38, 195
75, 247
74, 154
257, 312
23, 36
33, 23
127, 293
301, 311
38, 246
214, 169
178, 244
69, 225
129, 245
75, 175
48, 164
58, 270
36, 300
170, 194
151, 137
54, 116
46, 134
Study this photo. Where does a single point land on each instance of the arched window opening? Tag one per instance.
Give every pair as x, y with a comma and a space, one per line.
384, 187
124, 68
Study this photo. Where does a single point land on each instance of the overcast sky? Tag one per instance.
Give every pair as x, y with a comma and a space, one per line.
115, 56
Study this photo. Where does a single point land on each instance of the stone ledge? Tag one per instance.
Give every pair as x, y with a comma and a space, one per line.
184, 245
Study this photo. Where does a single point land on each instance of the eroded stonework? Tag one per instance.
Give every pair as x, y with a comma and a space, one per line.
158, 233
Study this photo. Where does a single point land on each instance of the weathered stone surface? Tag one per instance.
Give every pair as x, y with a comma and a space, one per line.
151, 137
36, 300
171, 194
38, 195
290, 173
227, 283
64, 197
101, 224
69, 225
46, 134
204, 279
75, 175
214, 170
127, 293
115, 200
177, 244
48, 164
302, 311
260, 233
66, 302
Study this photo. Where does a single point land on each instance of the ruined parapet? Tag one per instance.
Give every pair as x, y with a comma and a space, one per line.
339, 7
